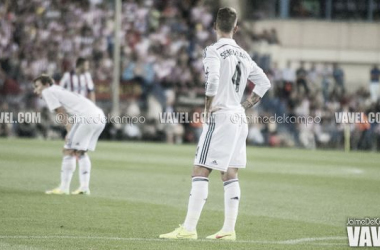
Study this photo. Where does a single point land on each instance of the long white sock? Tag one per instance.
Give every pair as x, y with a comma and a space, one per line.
198, 197
84, 171
67, 170
231, 204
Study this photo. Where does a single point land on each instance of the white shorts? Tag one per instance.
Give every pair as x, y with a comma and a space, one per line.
84, 136
223, 142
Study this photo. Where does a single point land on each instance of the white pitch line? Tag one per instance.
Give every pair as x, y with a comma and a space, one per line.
286, 242
296, 241
356, 171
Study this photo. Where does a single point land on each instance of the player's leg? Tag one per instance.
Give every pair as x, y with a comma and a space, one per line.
197, 199
87, 138
67, 169
231, 205
231, 199
84, 172
232, 187
213, 152
68, 164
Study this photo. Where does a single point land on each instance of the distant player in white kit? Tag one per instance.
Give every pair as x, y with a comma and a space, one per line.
81, 136
222, 145
79, 80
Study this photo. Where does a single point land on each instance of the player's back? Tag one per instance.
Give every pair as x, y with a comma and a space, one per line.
235, 66
74, 103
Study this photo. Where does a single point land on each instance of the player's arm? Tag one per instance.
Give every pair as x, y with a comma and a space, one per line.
208, 101
63, 118
211, 64
251, 101
55, 105
262, 84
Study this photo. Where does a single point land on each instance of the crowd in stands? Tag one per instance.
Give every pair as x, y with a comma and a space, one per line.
161, 52
317, 91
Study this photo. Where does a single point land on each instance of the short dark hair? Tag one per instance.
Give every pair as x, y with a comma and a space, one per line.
80, 62
44, 79
225, 19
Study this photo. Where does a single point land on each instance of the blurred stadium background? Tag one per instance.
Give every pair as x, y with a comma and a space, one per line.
317, 53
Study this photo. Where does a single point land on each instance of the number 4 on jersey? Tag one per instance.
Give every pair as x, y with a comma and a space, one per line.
236, 77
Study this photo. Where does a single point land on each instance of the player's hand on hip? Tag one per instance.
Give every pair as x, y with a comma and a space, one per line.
208, 113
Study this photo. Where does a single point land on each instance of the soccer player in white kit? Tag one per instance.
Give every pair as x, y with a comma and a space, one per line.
80, 80
222, 145
82, 135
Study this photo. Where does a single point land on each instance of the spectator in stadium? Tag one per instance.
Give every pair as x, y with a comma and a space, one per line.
361, 136
313, 77
173, 131
374, 86
326, 74
273, 37
5, 128
255, 134
196, 126
276, 74
301, 74
338, 75
289, 78
140, 70
168, 35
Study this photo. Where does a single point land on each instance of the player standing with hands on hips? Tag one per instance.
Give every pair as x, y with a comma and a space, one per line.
222, 145
82, 135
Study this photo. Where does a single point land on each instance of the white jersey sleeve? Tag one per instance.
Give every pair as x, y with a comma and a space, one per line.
50, 99
211, 64
90, 83
261, 81
65, 81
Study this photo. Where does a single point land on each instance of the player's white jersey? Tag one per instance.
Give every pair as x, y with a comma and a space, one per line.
81, 84
227, 68
75, 104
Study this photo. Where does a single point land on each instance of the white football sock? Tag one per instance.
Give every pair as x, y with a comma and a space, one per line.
67, 170
198, 197
231, 204
84, 171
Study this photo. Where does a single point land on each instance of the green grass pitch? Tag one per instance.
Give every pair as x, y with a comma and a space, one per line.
291, 199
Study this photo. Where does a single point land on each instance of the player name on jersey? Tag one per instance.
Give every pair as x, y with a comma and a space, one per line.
233, 52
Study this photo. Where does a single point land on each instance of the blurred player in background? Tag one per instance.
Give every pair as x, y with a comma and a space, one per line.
79, 80
375, 83
81, 136
222, 145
